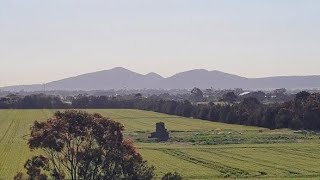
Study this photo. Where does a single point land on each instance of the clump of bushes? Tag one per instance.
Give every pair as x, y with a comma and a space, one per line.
172, 176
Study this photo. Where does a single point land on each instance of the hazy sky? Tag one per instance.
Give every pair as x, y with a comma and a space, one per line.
44, 40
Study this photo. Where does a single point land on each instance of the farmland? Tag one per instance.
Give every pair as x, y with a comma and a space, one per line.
197, 150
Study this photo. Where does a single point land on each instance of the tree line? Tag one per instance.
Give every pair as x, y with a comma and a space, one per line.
303, 112
34, 101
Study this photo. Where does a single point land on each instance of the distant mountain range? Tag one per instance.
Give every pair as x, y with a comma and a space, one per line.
120, 78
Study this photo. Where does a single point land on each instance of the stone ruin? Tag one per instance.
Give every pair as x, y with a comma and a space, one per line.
161, 133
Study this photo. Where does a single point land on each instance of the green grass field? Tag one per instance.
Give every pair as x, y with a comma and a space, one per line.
197, 150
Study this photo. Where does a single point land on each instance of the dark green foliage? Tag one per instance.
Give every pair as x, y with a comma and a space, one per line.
284, 118
230, 97
35, 101
172, 176
196, 95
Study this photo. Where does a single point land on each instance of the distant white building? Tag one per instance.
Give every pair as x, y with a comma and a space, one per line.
245, 93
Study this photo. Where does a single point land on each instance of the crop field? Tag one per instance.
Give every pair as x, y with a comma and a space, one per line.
276, 161
197, 149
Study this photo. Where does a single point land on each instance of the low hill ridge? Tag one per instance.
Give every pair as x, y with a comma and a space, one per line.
121, 78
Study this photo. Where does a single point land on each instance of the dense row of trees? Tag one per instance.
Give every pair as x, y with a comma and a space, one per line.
301, 113
35, 101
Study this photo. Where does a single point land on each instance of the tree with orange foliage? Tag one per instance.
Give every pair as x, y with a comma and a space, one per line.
82, 146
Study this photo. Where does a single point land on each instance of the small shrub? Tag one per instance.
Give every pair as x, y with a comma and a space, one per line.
263, 173
172, 176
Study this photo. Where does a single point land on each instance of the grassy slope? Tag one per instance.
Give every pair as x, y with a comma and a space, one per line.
136, 120
288, 160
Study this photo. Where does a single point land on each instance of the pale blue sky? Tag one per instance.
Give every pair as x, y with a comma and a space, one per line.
44, 40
